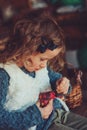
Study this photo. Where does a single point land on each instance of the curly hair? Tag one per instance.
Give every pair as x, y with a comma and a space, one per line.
26, 37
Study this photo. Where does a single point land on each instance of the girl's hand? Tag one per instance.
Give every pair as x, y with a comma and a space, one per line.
46, 111
62, 85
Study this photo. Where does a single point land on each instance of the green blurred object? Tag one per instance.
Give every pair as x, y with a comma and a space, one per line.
82, 57
53, 1
72, 2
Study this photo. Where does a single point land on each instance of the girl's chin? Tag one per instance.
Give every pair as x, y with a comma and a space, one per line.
32, 69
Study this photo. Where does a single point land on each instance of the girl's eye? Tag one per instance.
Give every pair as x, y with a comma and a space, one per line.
29, 60
44, 60
41, 59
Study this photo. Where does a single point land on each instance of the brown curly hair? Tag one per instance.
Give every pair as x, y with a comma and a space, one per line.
26, 36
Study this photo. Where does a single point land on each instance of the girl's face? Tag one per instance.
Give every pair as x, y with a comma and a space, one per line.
38, 61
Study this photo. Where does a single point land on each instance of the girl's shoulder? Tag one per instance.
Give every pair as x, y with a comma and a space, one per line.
4, 74
53, 73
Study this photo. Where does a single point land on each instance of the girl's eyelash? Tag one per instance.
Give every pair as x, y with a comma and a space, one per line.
42, 59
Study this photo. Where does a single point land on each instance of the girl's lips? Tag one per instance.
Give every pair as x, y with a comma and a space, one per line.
36, 69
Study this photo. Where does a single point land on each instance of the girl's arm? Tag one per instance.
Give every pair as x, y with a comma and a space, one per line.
54, 77
16, 119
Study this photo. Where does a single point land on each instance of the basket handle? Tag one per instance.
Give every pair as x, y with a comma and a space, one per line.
78, 73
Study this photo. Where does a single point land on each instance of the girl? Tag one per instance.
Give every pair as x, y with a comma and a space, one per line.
35, 44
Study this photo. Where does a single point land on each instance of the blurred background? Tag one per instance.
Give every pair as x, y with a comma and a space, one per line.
71, 16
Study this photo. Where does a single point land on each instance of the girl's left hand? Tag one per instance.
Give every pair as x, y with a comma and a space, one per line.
62, 85
47, 110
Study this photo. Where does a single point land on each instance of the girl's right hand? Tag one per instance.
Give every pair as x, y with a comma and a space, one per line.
47, 110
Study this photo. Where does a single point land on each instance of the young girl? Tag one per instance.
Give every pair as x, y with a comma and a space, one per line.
35, 44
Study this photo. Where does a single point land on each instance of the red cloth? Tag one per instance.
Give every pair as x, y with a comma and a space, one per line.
45, 97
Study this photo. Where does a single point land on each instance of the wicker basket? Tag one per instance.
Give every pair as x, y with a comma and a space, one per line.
75, 98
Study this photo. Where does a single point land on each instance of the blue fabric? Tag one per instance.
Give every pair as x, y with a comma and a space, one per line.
16, 119
46, 123
54, 76
20, 120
